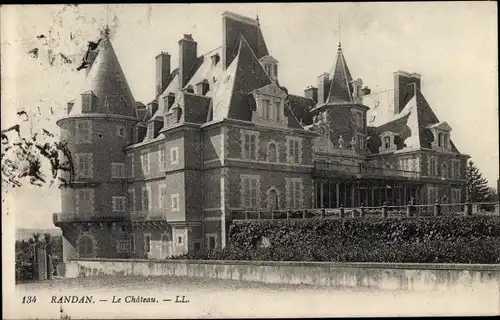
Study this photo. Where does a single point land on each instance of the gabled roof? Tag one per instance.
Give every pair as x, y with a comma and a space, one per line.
107, 82
413, 124
235, 26
244, 74
340, 84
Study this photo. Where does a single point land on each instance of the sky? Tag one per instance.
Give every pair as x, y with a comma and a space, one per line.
453, 45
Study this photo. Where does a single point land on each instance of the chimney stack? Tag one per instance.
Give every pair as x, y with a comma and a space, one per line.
162, 72
403, 90
187, 58
311, 93
323, 86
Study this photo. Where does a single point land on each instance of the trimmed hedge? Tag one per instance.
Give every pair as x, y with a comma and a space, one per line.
446, 239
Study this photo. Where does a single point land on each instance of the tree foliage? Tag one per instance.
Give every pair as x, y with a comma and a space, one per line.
477, 185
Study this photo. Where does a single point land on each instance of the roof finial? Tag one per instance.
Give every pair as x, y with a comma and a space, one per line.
258, 23
340, 43
106, 29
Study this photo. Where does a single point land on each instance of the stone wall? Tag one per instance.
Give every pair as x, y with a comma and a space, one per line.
380, 276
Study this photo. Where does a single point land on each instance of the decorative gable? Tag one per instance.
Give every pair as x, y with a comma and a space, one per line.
441, 134
388, 144
270, 105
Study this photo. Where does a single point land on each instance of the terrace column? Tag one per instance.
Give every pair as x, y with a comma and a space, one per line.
372, 188
404, 192
321, 195
392, 192
337, 194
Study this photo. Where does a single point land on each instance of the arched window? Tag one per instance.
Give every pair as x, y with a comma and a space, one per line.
273, 200
444, 171
85, 247
272, 153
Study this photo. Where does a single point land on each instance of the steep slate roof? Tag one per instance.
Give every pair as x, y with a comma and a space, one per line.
236, 26
108, 83
340, 84
232, 97
412, 124
301, 107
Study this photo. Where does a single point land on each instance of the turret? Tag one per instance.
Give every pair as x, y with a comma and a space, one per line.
96, 129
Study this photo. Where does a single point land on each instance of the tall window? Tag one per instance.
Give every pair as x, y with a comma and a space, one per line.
162, 189
119, 203
130, 164
293, 150
84, 165
174, 202
150, 130
272, 152
83, 131
440, 139
266, 109
174, 155
249, 145
131, 199
144, 198
276, 111
456, 169
117, 170
161, 158
132, 242
120, 131
250, 191
145, 164
147, 243
294, 193
273, 200
387, 142
444, 171
84, 202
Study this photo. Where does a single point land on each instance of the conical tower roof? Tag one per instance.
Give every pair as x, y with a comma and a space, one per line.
107, 82
340, 88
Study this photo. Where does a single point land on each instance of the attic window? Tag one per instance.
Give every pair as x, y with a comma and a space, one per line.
88, 100
202, 87
388, 141
150, 130
190, 89
169, 100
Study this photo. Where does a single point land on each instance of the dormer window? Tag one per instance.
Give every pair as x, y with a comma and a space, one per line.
270, 106
88, 100
150, 130
190, 89
388, 145
270, 66
168, 100
202, 87
441, 132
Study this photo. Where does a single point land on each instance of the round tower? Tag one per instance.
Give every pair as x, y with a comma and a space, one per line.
96, 129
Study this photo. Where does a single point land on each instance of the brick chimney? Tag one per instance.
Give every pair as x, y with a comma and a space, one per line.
311, 93
187, 57
323, 86
403, 91
162, 71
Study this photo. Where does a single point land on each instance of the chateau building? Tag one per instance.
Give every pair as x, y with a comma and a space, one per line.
222, 136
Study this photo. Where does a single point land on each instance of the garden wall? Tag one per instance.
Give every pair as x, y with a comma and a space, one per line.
379, 276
